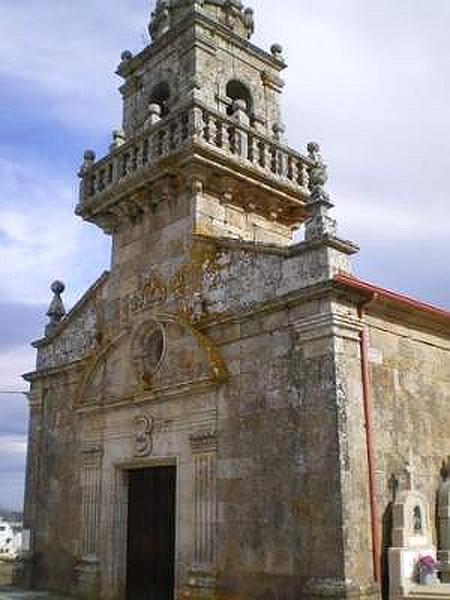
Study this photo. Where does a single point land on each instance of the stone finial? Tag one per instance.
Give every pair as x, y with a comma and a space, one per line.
319, 225
160, 20
119, 139
249, 21
277, 51
318, 172
56, 310
126, 56
154, 113
88, 161
278, 131
239, 112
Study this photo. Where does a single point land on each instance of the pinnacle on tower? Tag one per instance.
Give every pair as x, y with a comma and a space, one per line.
229, 13
56, 310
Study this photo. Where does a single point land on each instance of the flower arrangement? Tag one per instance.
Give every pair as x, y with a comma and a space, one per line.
427, 567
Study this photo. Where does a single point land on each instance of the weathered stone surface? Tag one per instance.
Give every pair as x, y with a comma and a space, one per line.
217, 345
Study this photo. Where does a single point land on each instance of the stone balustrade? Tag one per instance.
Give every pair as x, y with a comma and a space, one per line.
204, 128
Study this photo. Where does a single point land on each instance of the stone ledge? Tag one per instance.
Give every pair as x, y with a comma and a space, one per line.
9, 593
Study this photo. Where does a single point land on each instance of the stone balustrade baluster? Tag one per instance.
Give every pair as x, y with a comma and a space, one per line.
110, 175
145, 152
290, 168
228, 134
184, 126
93, 185
282, 163
227, 137
124, 165
101, 180
273, 159
135, 158
242, 142
303, 179
262, 157
206, 126
219, 133
251, 148
232, 139
197, 123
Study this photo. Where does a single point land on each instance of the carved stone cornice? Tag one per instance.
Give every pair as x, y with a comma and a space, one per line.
205, 441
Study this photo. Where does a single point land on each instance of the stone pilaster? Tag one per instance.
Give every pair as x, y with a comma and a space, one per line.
202, 580
88, 566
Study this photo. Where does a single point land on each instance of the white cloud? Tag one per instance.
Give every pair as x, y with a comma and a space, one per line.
40, 238
13, 363
15, 446
68, 51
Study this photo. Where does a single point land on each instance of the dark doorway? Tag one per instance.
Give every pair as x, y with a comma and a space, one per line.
151, 534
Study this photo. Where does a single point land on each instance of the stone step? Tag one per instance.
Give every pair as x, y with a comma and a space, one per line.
430, 592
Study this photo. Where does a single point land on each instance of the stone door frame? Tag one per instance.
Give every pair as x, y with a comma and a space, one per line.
119, 519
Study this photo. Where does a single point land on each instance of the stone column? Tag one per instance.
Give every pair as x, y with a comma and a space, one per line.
88, 567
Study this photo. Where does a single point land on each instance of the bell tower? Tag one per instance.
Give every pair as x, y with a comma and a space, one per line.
202, 146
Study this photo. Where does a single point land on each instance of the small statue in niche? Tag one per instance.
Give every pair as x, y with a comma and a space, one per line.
417, 520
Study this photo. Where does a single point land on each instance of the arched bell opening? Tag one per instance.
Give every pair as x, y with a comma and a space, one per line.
161, 96
239, 94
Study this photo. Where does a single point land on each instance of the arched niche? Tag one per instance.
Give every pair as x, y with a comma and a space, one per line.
237, 90
161, 95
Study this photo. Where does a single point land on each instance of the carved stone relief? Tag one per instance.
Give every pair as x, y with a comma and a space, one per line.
143, 435
148, 350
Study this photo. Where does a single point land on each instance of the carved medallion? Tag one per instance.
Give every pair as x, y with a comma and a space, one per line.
143, 430
148, 350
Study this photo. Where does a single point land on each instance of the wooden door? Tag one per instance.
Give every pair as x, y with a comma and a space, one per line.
151, 534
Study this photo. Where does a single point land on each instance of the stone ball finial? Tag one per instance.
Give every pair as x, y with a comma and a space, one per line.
89, 156
239, 104
154, 109
276, 51
126, 55
278, 130
58, 287
119, 138
56, 310
313, 148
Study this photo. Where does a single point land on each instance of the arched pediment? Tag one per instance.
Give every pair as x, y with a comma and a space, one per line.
163, 354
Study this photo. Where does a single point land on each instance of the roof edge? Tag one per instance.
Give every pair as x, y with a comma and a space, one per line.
402, 300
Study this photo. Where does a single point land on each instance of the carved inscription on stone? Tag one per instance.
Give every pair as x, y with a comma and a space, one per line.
143, 435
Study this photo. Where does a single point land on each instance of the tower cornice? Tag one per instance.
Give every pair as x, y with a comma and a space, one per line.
120, 186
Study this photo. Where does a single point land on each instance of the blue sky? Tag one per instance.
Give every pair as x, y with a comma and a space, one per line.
368, 80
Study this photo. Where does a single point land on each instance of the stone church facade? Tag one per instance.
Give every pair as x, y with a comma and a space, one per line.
226, 413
